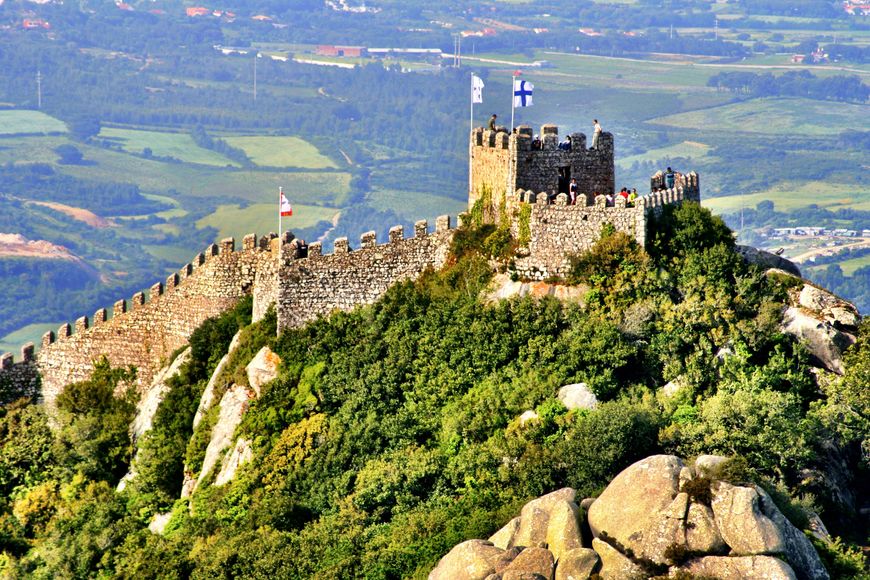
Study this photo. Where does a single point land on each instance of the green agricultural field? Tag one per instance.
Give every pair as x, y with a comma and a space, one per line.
328, 188
849, 266
788, 196
415, 206
22, 122
775, 116
261, 218
282, 152
13, 341
689, 149
180, 146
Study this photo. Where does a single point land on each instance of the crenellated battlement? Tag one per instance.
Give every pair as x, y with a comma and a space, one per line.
519, 180
311, 284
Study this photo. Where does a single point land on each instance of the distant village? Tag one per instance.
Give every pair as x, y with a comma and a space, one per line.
816, 231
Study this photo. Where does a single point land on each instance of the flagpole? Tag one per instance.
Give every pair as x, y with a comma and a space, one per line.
280, 198
513, 79
470, 148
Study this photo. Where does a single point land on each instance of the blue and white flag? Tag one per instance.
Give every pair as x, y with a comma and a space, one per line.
523, 93
476, 89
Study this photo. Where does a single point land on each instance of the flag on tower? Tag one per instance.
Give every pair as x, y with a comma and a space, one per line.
476, 89
523, 93
286, 208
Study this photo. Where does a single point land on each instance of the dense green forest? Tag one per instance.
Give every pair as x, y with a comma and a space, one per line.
392, 432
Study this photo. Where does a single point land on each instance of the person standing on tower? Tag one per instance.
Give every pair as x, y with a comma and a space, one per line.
595, 134
492, 122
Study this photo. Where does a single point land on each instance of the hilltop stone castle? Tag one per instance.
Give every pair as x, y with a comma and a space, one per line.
514, 185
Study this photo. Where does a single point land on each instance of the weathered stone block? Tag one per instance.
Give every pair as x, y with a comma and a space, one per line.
368, 239
7, 360
315, 250
82, 324
397, 234
48, 338
249, 242
442, 223
341, 246
171, 281
156, 290
100, 316
64, 331
228, 245
138, 299
27, 352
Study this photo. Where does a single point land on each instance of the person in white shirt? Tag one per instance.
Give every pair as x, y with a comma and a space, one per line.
595, 134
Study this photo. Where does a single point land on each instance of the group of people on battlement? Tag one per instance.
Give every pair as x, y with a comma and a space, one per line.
630, 195
565, 145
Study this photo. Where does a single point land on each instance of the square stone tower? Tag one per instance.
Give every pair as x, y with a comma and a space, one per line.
502, 163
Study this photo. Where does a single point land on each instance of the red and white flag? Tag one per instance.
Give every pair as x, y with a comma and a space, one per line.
286, 208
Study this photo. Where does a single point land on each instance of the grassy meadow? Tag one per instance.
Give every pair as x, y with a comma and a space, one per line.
19, 121
270, 151
260, 218
774, 116
179, 146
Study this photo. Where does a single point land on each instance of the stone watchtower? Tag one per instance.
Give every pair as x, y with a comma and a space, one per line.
503, 163
523, 185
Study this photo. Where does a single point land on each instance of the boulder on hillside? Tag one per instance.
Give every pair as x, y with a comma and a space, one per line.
531, 561
751, 524
767, 260
577, 564
577, 396
824, 322
262, 369
470, 560
614, 564
740, 568
825, 343
536, 516
502, 287
634, 500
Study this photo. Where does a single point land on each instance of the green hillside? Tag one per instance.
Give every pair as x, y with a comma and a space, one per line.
392, 432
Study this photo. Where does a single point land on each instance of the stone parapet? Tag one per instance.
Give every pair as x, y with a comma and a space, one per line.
349, 277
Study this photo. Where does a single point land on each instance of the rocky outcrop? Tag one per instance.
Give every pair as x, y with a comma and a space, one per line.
262, 369
658, 517
208, 395
153, 396
471, 560
768, 260
146, 409
825, 323
233, 406
242, 453
577, 396
502, 287
825, 343
629, 508
740, 568
751, 524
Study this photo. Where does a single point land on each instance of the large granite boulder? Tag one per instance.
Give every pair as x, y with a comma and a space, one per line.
262, 369
577, 396
824, 342
534, 526
577, 564
740, 568
471, 560
824, 322
634, 499
614, 564
767, 259
531, 561
751, 524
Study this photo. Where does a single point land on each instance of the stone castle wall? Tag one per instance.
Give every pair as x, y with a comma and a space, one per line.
557, 230
18, 379
317, 284
145, 332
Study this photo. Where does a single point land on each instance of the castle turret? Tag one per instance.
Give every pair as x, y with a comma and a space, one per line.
503, 163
